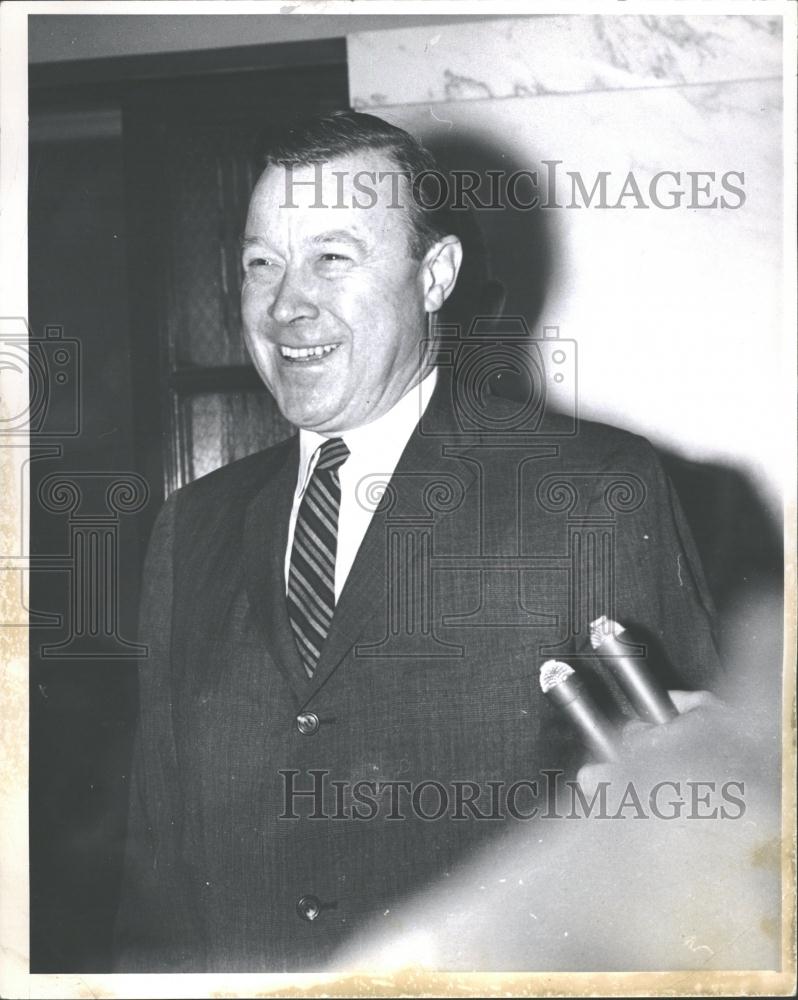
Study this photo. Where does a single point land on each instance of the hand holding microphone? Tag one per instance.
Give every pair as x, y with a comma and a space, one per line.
562, 685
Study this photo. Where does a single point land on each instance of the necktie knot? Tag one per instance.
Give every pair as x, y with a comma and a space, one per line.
332, 454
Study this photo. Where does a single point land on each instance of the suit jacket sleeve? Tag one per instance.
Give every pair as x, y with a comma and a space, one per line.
154, 928
659, 586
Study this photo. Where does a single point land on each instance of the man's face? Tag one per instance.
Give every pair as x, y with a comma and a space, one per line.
332, 302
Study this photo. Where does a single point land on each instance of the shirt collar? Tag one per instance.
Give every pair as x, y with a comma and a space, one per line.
383, 439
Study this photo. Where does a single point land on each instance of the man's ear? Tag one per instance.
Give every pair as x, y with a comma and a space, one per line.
440, 268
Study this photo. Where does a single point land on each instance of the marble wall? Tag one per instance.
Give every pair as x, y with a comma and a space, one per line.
676, 311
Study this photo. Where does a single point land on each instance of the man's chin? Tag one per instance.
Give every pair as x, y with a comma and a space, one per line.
324, 420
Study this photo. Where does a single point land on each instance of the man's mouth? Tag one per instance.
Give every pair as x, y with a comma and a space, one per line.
307, 353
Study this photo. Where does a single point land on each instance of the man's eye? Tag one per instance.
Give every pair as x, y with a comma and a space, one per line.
258, 262
334, 257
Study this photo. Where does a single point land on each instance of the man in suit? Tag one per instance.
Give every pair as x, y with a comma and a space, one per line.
341, 698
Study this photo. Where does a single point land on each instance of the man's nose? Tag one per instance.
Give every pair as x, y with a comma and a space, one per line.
292, 300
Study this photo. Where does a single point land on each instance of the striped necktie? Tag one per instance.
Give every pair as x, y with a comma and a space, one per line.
311, 574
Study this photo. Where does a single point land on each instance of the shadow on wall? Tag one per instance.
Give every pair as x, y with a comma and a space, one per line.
510, 256
509, 252
742, 552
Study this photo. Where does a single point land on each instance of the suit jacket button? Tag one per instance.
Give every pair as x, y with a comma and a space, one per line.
308, 907
307, 723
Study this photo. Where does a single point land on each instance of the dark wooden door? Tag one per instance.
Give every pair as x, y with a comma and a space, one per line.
194, 154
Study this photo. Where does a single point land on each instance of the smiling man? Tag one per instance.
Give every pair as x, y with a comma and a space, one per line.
336, 297
340, 702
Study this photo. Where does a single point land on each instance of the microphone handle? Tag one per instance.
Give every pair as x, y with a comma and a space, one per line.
648, 697
593, 727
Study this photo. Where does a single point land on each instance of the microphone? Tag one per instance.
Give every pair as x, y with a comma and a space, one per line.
648, 697
562, 686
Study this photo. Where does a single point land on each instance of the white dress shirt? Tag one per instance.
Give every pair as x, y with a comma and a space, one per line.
374, 451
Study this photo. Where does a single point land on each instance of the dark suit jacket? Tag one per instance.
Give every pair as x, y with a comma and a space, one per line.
488, 555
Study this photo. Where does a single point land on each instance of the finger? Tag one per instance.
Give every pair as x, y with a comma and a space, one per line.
634, 732
687, 701
590, 775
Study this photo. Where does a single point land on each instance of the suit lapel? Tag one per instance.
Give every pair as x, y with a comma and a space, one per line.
266, 537
265, 540
421, 461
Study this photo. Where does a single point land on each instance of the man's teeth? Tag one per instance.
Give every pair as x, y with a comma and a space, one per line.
307, 352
